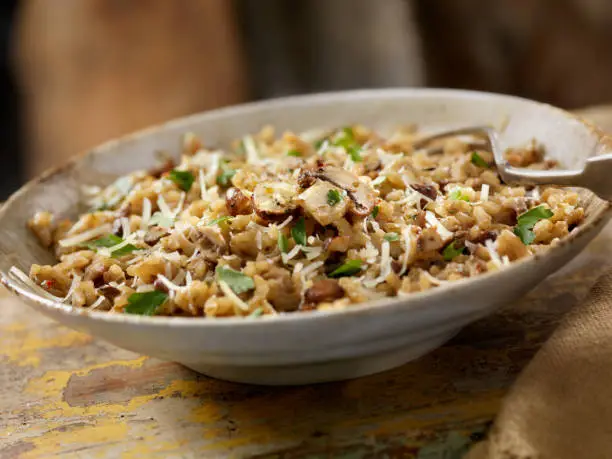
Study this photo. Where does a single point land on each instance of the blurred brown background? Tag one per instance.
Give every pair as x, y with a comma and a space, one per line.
77, 72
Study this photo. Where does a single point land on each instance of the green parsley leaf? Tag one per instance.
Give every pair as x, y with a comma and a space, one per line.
256, 313
110, 241
457, 195
478, 161
527, 221
145, 303
333, 197
295, 153
525, 234
161, 220
349, 268
451, 251
375, 211
237, 281
532, 216
355, 154
225, 178
346, 139
183, 179
391, 237
218, 220
283, 243
298, 232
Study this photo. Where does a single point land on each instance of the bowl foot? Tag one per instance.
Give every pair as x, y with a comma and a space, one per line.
310, 373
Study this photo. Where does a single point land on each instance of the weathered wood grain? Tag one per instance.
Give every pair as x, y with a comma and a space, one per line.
63, 393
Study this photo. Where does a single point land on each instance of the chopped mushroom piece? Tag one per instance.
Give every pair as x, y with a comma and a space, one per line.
429, 240
274, 200
363, 196
237, 203
323, 290
315, 202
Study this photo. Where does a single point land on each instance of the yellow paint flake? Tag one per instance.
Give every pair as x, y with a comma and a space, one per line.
64, 440
23, 346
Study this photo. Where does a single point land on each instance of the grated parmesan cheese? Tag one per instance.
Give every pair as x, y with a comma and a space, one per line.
286, 222
202, 181
433, 221
408, 248
292, 253
490, 245
229, 293
312, 252
96, 304
163, 207
484, 192
146, 214
75, 280
385, 266
251, 150
379, 180
311, 268
211, 175
125, 227
85, 236
168, 283
432, 279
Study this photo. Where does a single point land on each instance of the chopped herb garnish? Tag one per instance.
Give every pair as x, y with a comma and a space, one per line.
145, 303
349, 268
355, 154
161, 220
375, 211
346, 140
183, 179
111, 240
391, 237
333, 197
256, 313
527, 221
227, 173
451, 251
298, 232
295, 153
283, 243
457, 195
478, 161
237, 281
218, 220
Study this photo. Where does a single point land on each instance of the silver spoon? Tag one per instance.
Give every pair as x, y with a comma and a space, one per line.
596, 175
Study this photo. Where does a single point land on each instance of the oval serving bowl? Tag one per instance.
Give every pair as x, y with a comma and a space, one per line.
320, 345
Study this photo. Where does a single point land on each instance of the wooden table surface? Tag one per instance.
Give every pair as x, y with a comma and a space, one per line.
64, 393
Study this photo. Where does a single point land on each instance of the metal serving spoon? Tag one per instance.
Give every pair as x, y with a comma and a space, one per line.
596, 175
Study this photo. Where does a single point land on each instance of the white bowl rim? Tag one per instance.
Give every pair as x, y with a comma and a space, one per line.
387, 305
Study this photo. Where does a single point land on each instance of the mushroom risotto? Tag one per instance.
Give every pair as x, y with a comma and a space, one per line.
319, 220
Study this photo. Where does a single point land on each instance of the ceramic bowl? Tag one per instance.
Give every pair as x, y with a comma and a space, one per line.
320, 345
